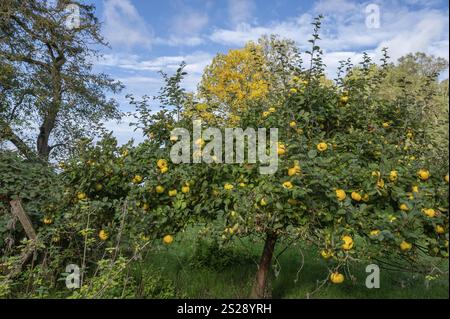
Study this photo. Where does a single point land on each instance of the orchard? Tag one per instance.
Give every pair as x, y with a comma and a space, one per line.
362, 175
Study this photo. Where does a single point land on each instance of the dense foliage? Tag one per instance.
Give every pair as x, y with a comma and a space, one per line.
362, 175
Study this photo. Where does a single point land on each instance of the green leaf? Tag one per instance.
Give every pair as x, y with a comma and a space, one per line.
312, 154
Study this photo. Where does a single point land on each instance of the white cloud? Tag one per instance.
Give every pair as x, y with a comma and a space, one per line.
144, 76
137, 80
240, 11
332, 60
177, 41
402, 30
297, 29
124, 132
334, 6
426, 31
189, 22
186, 28
124, 26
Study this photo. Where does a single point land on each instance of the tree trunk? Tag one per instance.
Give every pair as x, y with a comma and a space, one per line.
49, 122
43, 148
259, 286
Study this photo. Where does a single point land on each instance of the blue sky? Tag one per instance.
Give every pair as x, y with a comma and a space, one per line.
151, 35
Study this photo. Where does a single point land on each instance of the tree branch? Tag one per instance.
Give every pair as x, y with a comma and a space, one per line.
7, 134
22, 58
18, 103
57, 145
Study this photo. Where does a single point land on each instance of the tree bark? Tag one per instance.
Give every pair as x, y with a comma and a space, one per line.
43, 148
17, 210
42, 143
259, 286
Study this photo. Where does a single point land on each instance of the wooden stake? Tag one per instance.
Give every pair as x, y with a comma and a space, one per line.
17, 210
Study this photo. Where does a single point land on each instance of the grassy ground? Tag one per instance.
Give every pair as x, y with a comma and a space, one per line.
200, 272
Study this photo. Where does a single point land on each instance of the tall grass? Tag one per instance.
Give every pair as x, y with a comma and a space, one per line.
198, 269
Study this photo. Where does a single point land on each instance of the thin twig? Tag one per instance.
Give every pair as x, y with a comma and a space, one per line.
119, 235
83, 263
301, 267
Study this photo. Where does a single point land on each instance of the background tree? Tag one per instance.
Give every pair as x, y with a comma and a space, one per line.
232, 83
413, 82
50, 64
418, 75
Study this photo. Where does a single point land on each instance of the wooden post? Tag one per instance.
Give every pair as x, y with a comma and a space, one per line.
17, 210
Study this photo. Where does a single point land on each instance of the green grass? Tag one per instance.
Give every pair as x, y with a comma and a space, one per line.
231, 276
